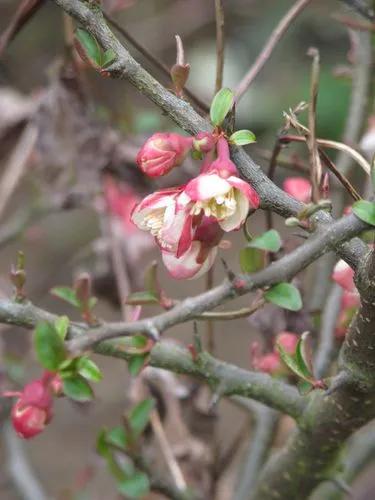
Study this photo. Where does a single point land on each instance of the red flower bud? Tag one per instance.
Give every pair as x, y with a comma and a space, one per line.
28, 421
162, 152
33, 409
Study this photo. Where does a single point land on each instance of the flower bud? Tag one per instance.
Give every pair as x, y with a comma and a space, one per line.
162, 152
28, 421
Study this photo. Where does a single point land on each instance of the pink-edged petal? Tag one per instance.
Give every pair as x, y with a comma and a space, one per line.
206, 186
236, 220
246, 189
187, 267
176, 228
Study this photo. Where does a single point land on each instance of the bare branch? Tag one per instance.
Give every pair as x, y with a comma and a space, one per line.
270, 45
219, 15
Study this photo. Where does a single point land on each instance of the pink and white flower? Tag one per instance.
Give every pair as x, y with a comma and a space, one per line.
298, 187
162, 152
228, 200
201, 254
170, 223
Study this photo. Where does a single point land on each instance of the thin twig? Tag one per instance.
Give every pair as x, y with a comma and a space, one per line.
257, 450
219, 16
23, 14
16, 165
230, 315
23, 477
270, 45
323, 356
167, 453
154, 60
315, 164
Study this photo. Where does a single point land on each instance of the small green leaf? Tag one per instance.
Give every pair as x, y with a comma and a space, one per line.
242, 137
136, 363
62, 326
89, 45
292, 363
140, 415
251, 259
89, 370
76, 388
270, 241
108, 57
142, 298
102, 446
365, 210
221, 105
49, 346
92, 302
284, 295
117, 437
304, 355
67, 294
135, 486
304, 387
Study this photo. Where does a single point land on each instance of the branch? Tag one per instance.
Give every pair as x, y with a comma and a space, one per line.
324, 353
257, 450
222, 377
362, 8
282, 270
270, 45
219, 16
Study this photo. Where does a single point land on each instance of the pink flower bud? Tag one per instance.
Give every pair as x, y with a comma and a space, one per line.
288, 341
28, 421
33, 409
204, 142
162, 152
298, 187
343, 275
269, 363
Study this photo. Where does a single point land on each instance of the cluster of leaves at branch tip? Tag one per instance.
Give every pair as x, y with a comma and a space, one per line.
221, 105
91, 52
79, 296
76, 373
131, 481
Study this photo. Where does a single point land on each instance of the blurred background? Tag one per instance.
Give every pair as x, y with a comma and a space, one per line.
56, 212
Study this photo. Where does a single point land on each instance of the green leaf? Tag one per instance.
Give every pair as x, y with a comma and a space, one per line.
89, 370
304, 355
365, 210
49, 346
140, 415
135, 486
304, 387
242, 137
221, 105
108, 57
141, 298
102, 446
67, 294
90, 46
251, 259
136, 363
76, 388
117, 437
284, 295
292, 363
62, 326
270, 241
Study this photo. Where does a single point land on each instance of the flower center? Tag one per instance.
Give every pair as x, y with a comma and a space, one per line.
220, 207
153, 221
